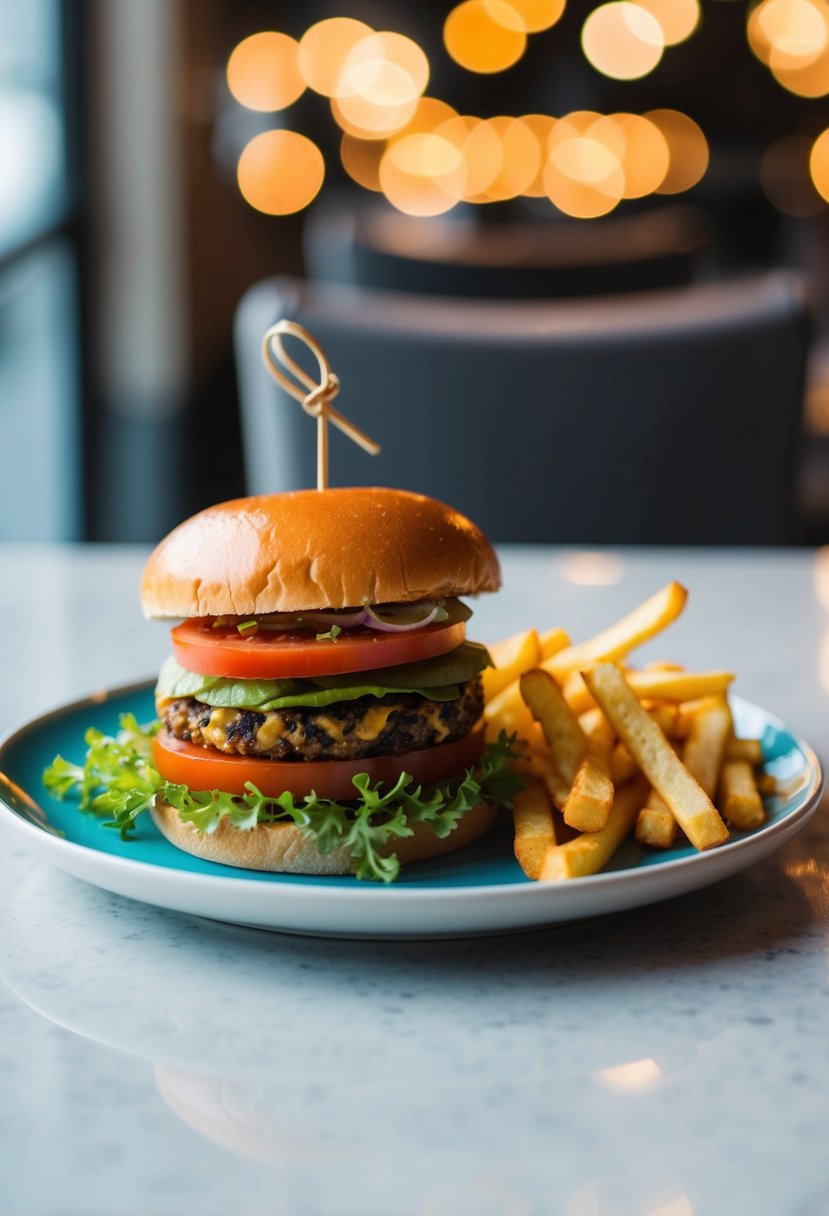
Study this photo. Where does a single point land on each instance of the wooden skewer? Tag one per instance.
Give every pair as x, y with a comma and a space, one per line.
315, 397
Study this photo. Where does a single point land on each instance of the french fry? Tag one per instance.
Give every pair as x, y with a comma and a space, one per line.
664, 715
655, 825
650, 618
512, 657
588, 807
702, 756
657, 686
703, 752
587, 854
553, 641
508, 712
541, 764
565, 738
740, 801
663, 665
534, 830
623, 767
750, 750
689, 804
766, 784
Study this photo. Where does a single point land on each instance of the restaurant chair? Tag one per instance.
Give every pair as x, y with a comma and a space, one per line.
371, 245
662, 418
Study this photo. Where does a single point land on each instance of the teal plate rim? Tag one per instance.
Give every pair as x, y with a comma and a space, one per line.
30, 817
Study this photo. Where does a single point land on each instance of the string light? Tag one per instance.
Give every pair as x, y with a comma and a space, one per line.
280, 172
485, 35
678, 18
688, 150
263, 72
622, 40
324, 49
819, 164
422, 174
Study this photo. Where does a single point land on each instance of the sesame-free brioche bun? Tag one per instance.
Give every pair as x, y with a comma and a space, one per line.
314, 549
282, 848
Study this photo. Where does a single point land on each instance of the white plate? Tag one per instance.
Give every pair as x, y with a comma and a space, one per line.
479, 890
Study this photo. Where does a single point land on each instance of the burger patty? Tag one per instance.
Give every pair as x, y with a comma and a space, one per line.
346, 730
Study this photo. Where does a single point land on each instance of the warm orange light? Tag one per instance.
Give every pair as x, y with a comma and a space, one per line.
575, 199
480, 146
641, 148
485, 35
622, 40
361, 160
280, 172
422, 174
324, 49
429, 113
520, 159
537, 15
792, 37
263, 71
542, 126
811, 81
386, 69
688, 150
789, 34
582, 176
380, 86
819, 164
678, 18
784, 176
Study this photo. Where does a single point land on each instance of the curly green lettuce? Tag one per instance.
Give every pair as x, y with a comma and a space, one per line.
117, 779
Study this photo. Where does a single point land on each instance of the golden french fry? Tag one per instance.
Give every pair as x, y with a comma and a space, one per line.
655, 825
540, 762
658, 686
740, 800
689, 804
623, 767
663, 665
508, 712
532, 817
565, 738
588, 853
553, 641
588, 807
766, 784
750, 750
512, 657
665, 716
702, 754
650, 618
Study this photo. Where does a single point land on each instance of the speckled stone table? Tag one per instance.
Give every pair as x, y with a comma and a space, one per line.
672, 1061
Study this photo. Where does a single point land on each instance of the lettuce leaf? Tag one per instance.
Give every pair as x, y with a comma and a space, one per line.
117, 780
437, 679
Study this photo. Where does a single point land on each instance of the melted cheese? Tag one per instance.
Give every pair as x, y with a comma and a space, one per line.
215, 732
331, 727
373, 722
270, 732
437, 724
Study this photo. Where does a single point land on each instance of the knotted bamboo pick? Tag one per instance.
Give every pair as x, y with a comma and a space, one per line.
314, 397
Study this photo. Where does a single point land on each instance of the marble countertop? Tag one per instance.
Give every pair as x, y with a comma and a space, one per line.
672, 1061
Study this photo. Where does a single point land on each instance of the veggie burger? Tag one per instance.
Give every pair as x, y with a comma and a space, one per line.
321, 696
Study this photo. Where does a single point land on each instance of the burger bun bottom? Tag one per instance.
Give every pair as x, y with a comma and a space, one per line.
281, 848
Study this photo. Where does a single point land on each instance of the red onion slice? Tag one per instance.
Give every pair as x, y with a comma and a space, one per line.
388, 624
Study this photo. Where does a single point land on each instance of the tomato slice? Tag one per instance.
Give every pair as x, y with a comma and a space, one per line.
222, 651
206, 768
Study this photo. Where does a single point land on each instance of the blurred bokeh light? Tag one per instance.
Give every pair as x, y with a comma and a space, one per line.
263, 71
280, 172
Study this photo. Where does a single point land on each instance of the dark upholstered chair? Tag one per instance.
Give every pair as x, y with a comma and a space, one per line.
371, 246
668, 417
